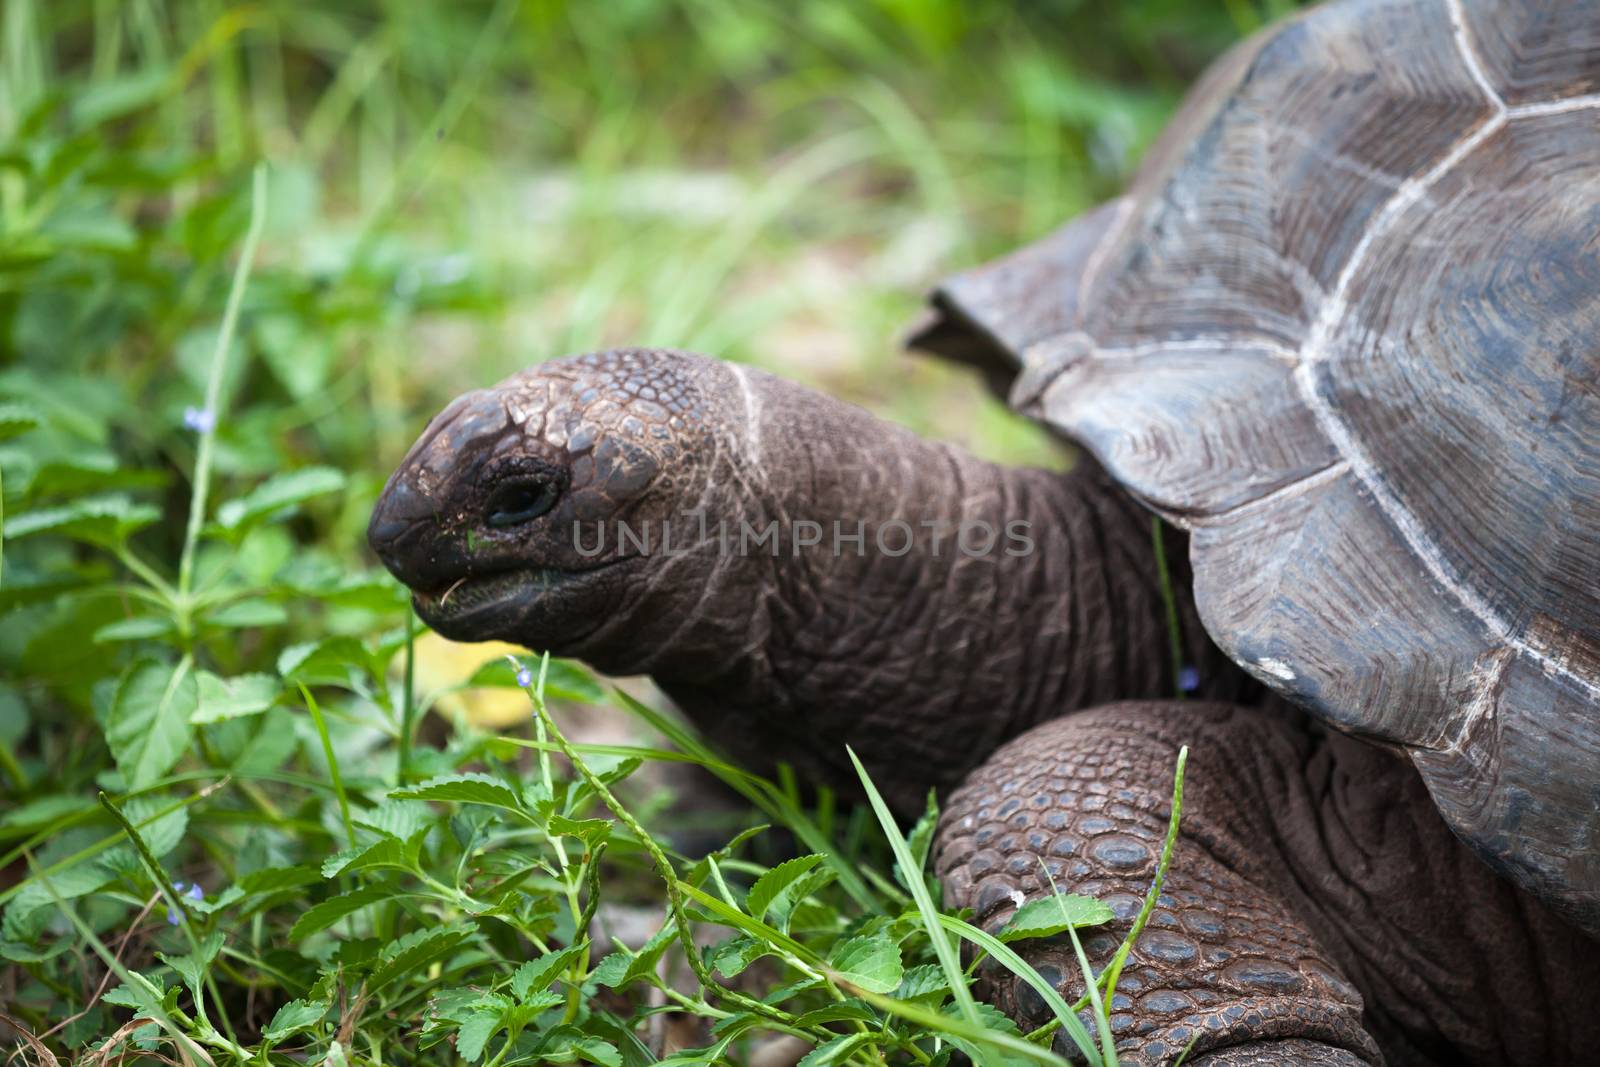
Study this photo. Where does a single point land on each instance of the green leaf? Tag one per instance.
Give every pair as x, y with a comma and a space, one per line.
995, 1022
277, 879
537, 974
851, 1009
621, 969
192, 966
277, 494
943, 949
148, 727
138, 628
325, 662
232, 698
871, 963
330, 911
16, 420
695, 1057
769, 885
388, 852
733, 956
1053, 914
468, 788
295, 1016
1007, 958
475, 1033
567, 1044
101, 520
789, 900
591, 832
922, 981
836, 1051
249, 614
415, 951
920, 840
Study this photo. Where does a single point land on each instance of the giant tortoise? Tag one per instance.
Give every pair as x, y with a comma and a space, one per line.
1343, 330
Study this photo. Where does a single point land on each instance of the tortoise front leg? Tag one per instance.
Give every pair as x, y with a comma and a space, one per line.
1317, 910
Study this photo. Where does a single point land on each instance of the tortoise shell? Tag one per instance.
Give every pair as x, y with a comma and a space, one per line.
1345, 328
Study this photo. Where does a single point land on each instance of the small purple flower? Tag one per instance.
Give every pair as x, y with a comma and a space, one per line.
194, 892
1189, 679
200, 420
524, 677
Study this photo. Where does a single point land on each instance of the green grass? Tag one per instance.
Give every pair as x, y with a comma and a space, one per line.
245, 251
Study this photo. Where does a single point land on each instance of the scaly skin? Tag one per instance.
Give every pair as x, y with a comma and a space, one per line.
924, 662
1318, 910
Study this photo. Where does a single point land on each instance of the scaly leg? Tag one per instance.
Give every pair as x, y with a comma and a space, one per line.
1317, 910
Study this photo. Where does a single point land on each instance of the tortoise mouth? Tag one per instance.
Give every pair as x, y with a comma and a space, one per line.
472, 599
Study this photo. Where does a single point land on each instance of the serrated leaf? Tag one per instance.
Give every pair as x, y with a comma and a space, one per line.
1051, 915
620, 969
694, 1057
535, 975
330, 911
161, 833
295, 1016
277, 494
769, 885
732, 957
791, 899
277, 879
475, 1033
591, 832
468, 788
568, 1044
192, 966
851, 1009
923, 980
397, 818
415, 951
328, 661
871, 963
148, 727
233, 698
389, 852
836, 1051
536, 1004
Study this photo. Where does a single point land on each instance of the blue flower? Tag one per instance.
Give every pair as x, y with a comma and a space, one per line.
524, 677
194, 892
1189, 679
200, 420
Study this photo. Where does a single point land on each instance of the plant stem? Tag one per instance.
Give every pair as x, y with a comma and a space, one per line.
408, 698
1174, 631
663, 865
219, 357
333, 763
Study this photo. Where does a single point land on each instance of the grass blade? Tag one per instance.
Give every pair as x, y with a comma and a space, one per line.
949, 962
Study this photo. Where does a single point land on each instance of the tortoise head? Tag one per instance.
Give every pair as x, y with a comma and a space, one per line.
505, 518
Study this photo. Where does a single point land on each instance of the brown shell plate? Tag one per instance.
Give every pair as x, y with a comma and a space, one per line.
1345, 328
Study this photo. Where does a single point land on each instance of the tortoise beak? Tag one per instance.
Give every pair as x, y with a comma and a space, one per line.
401, 515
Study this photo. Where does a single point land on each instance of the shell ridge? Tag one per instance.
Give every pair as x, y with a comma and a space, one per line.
1468, 48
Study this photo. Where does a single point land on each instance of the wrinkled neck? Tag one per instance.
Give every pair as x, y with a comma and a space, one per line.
915, 603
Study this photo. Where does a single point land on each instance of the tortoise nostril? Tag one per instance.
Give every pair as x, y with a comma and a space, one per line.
398, 511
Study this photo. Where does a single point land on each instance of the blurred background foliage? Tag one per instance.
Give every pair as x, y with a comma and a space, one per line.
454, 189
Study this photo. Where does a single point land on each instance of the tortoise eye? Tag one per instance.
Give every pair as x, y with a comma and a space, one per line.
520, 502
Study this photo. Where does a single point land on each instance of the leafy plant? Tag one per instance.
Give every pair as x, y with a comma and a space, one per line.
244, 250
